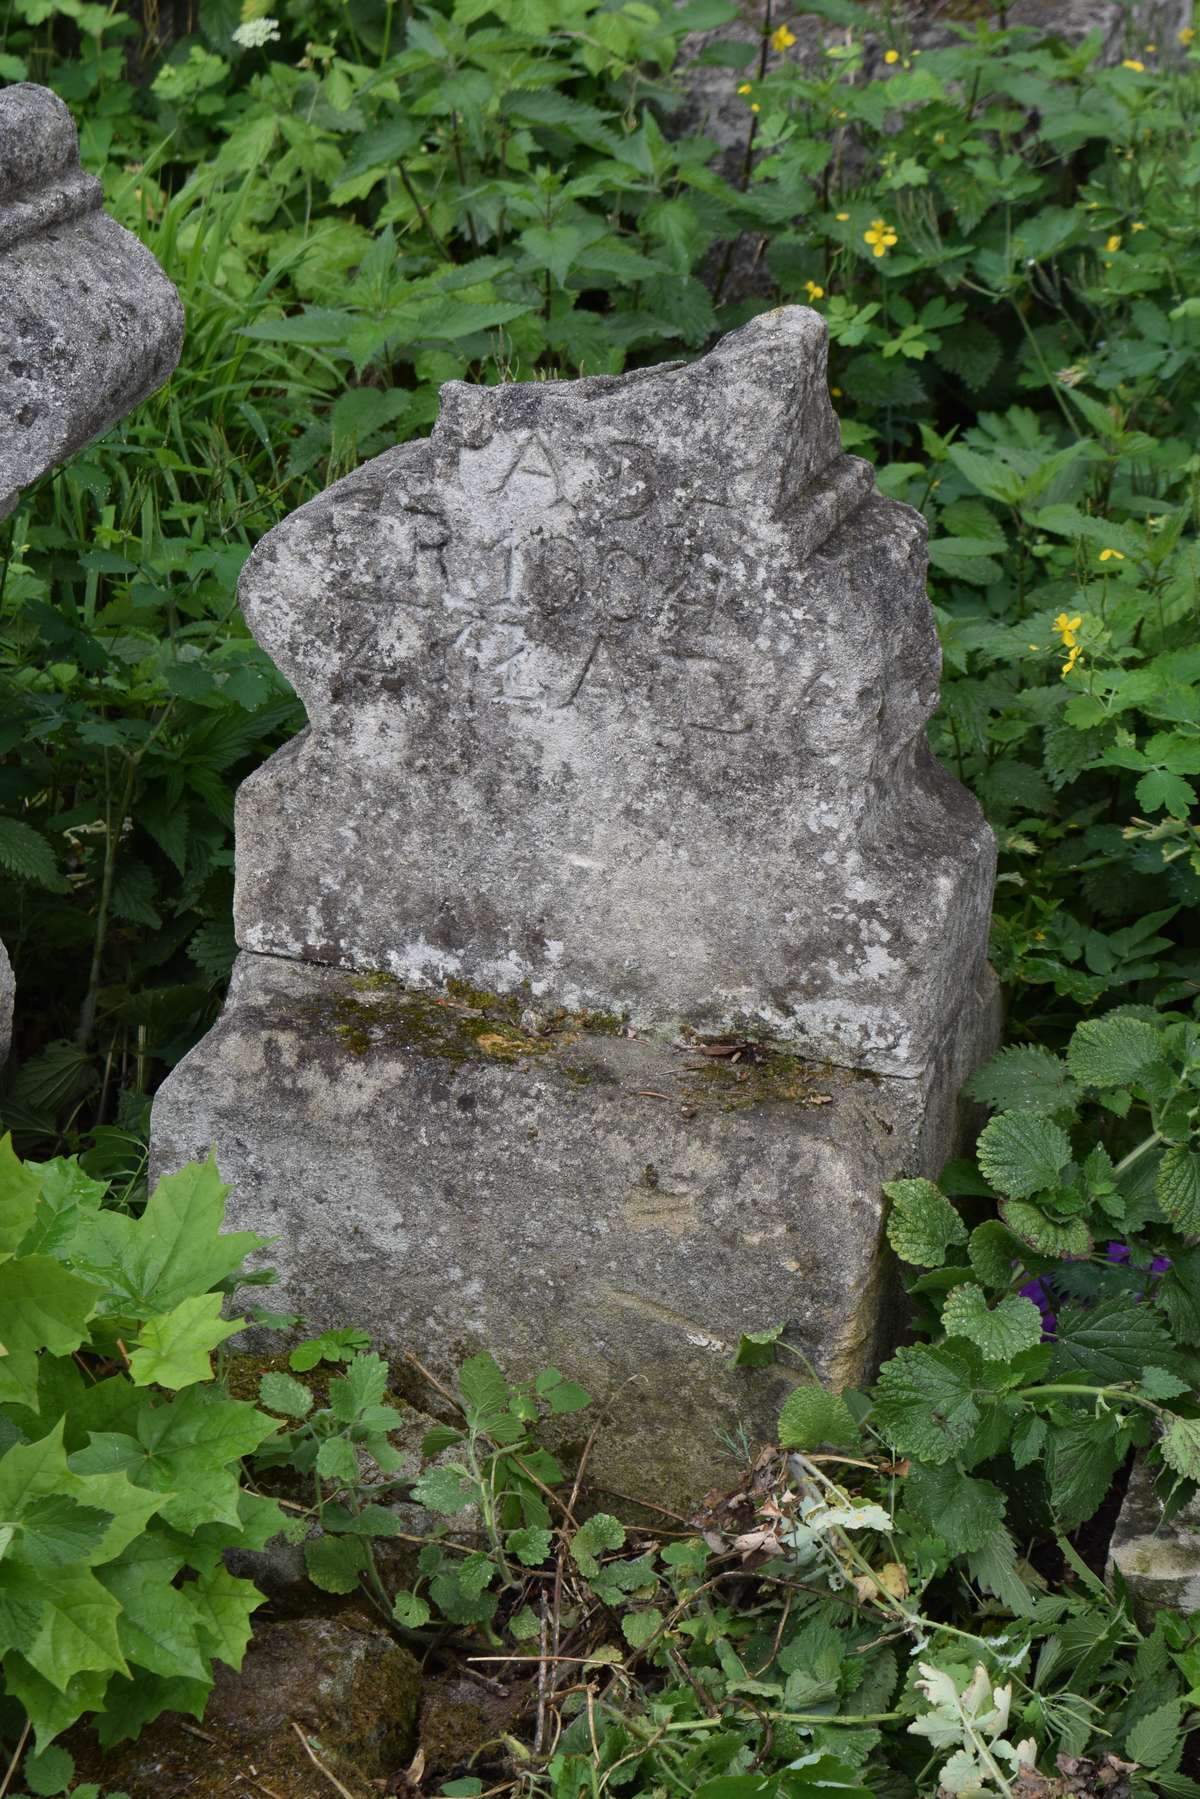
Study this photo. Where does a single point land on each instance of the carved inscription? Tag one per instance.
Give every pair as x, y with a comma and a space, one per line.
537, 610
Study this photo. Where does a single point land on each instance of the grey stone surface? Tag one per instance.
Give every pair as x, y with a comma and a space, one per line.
618, 1208
89, 324
7, 994
1158, 1560
618, 692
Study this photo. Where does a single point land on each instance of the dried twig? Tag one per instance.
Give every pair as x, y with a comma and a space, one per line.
543, 1678
18, 1752
319, 1765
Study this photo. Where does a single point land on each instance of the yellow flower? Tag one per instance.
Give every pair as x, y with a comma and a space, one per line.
891, 56
1067, 627
745, 88
836, 392
754, 106
1033, 646
1112, 555
881, 237
1187, 34
1150, 49
1131, 62
1071, 660
939, 137
841, 217
783, 39
814, 290
1137, 225
1114, 243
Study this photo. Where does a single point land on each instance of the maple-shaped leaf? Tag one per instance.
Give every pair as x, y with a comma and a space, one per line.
174, 1251
175, 1350
20, 1186
223, 1604
42, 1306
157, 1628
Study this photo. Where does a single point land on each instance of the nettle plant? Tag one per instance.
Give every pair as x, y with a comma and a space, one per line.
120, 1456
1069, 1323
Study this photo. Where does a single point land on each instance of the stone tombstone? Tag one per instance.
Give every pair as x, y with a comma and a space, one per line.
611, 934
89, 324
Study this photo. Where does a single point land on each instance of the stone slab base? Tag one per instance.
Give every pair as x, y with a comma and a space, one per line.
1159, 1561
452, 1175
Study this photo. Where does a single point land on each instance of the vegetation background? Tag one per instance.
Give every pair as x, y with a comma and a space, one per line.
358, 201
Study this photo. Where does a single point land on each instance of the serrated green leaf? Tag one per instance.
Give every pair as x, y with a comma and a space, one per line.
1082, 1457
1177, 1188
224, 1605
335, 1563
176, 1350
639, 1627
410, 1610
278, 1392
921, 1223
157, 1626
812, 1416
330, 1346
925, 1401
50, 1772
993, 1251
531, 1545
484, 1390
1028, 1440
337, 1461
20, 1191
1022, 1153
1065, 1242
1180, 1447
599, 1532
1161, 1385
1155, 1735
1109, 1342
1024, 1079
440, 1438
1113, 1051
1000, 1332
960, 1509
446, 1490
363, 1385
186, 1450
994, 1568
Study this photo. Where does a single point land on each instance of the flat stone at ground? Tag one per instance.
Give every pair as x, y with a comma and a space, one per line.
1158, 1560
450, 1180
89, 324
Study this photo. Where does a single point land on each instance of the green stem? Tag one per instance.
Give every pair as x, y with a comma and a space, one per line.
1078, 1389
1154, 1138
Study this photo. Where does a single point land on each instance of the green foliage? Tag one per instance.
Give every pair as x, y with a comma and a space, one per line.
120, 1469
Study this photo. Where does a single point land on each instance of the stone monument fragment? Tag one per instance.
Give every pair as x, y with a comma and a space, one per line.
89, 324
611, 934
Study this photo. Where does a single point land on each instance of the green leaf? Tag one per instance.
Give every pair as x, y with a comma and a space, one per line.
1023, 1079
599, 1532
1156, 1735
484, 1390
50, 1772
1109, 1342
1028, 1440
43, 1306
446, 1490
1161, 1385
813, 1416
921, 1223
994, 1568
278, 1392
363, 1385
337, 1461
26, 855
186, 1450
157, 1626
1030, 1225
1113, 1051
20, 1190
531, 1545
1001, 1332
639, 1627
175, 1350
410, 1610
1180, 1447
958, 1508
1022, 1153
174, 1251
993, 1253
335, 1563
1177, 1188
925, 1401
330, 1346
756, 1349
440, 1438
1081, 1459
224, 1605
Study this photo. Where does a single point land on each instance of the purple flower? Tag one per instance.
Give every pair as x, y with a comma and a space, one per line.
1118, 1252
1036, 1291
1160, 1264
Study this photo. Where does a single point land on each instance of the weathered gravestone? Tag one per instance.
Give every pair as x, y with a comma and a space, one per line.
89, 324
617, 692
